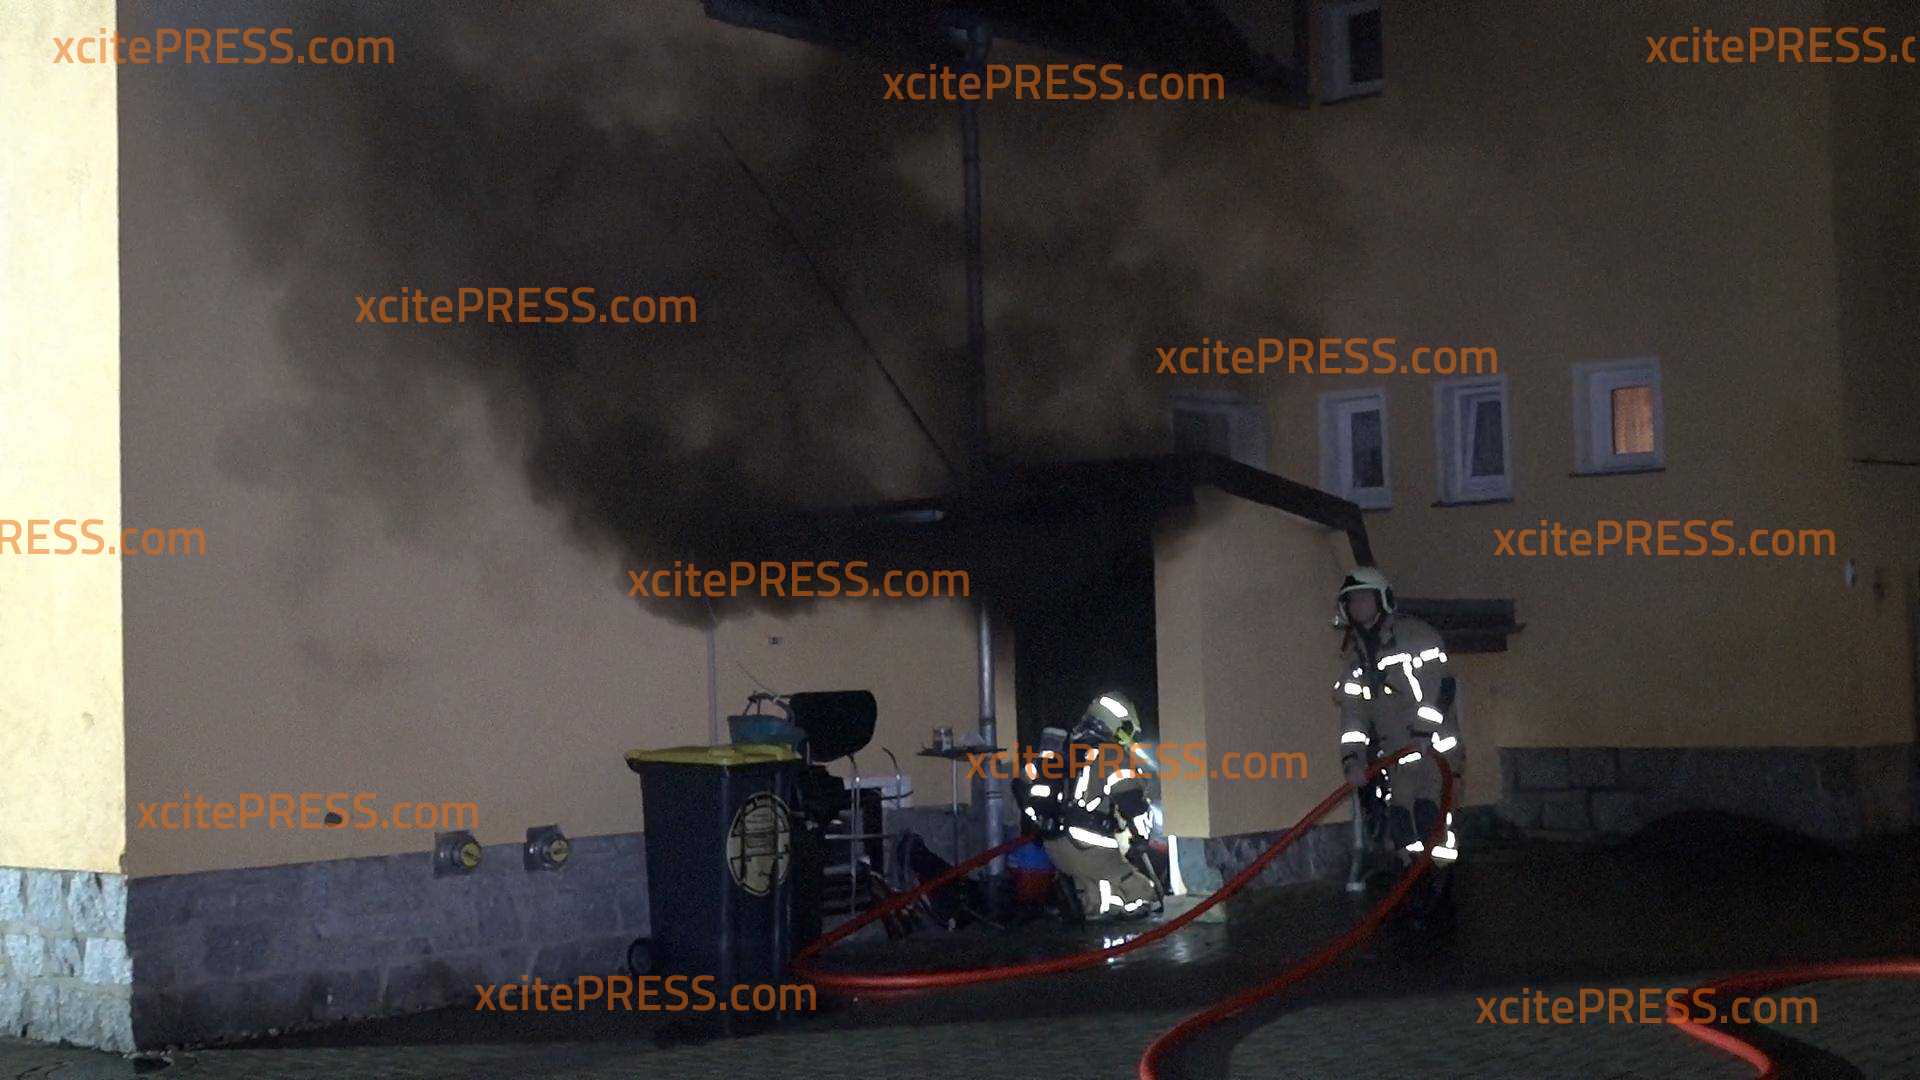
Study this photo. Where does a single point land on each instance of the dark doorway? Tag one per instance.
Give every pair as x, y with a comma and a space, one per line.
1092, 634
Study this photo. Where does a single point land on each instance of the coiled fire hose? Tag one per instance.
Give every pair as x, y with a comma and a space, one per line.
1757, 982
1749, 982
803, 965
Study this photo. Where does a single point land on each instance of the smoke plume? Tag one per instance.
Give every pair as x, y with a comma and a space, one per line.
549, 144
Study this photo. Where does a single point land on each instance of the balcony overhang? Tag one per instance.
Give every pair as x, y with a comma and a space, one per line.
1145, 35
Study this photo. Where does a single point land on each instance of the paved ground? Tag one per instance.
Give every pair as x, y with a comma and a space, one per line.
1536, 918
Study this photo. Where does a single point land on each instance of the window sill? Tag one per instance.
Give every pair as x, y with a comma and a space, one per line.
1445, 503
1372, 501
1618, 472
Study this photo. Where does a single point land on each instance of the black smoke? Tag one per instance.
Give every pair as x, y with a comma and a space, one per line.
574, 144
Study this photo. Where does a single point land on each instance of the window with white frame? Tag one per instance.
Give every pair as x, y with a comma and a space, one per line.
1353, 447
1473, 442
1220, 422
1618, 426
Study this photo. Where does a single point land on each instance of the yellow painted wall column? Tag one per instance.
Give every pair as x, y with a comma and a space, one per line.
1179, 569
1244, 596
62, 763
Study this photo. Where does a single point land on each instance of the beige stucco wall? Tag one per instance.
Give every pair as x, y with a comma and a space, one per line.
1577, 206
488, 660
1877, 226
480, 656
385, 605
1600, 208
463, 647
1182, 563
62, 782
1886, 595
1247, 652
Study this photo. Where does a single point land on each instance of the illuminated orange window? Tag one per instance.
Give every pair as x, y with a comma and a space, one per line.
1617, 421
1633, 420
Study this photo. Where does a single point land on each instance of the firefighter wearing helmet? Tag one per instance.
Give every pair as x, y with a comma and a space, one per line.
1092, 810
1395, 690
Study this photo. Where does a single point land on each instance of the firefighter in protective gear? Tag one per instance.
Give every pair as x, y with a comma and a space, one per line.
1090, 806
1395, 690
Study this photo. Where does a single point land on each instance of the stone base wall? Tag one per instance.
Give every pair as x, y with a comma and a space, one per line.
1207, 862
230, 953
1324, 853
64, 970
1835, 794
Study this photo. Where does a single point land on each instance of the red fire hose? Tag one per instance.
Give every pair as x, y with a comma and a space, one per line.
803, 966
1750, 982
1757, 982
1193, 1025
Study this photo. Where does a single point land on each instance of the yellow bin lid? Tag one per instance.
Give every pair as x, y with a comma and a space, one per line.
719, 756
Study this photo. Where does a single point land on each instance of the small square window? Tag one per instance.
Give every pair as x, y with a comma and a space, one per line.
1202, 432
1618, 426
1224, 423
1366, 465
1353, 447
1486, 454
1348, 38
1471, 439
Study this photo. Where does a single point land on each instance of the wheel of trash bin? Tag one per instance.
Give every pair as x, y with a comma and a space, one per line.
640, 957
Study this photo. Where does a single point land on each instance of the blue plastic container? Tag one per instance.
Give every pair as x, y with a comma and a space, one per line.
1029, 857
765, 729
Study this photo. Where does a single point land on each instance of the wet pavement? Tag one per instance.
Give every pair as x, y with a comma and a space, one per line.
1533, 918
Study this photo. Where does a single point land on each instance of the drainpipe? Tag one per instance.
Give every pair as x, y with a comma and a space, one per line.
989, 729
978, 39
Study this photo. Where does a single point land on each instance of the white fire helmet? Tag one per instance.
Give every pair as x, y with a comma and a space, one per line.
1362, 578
